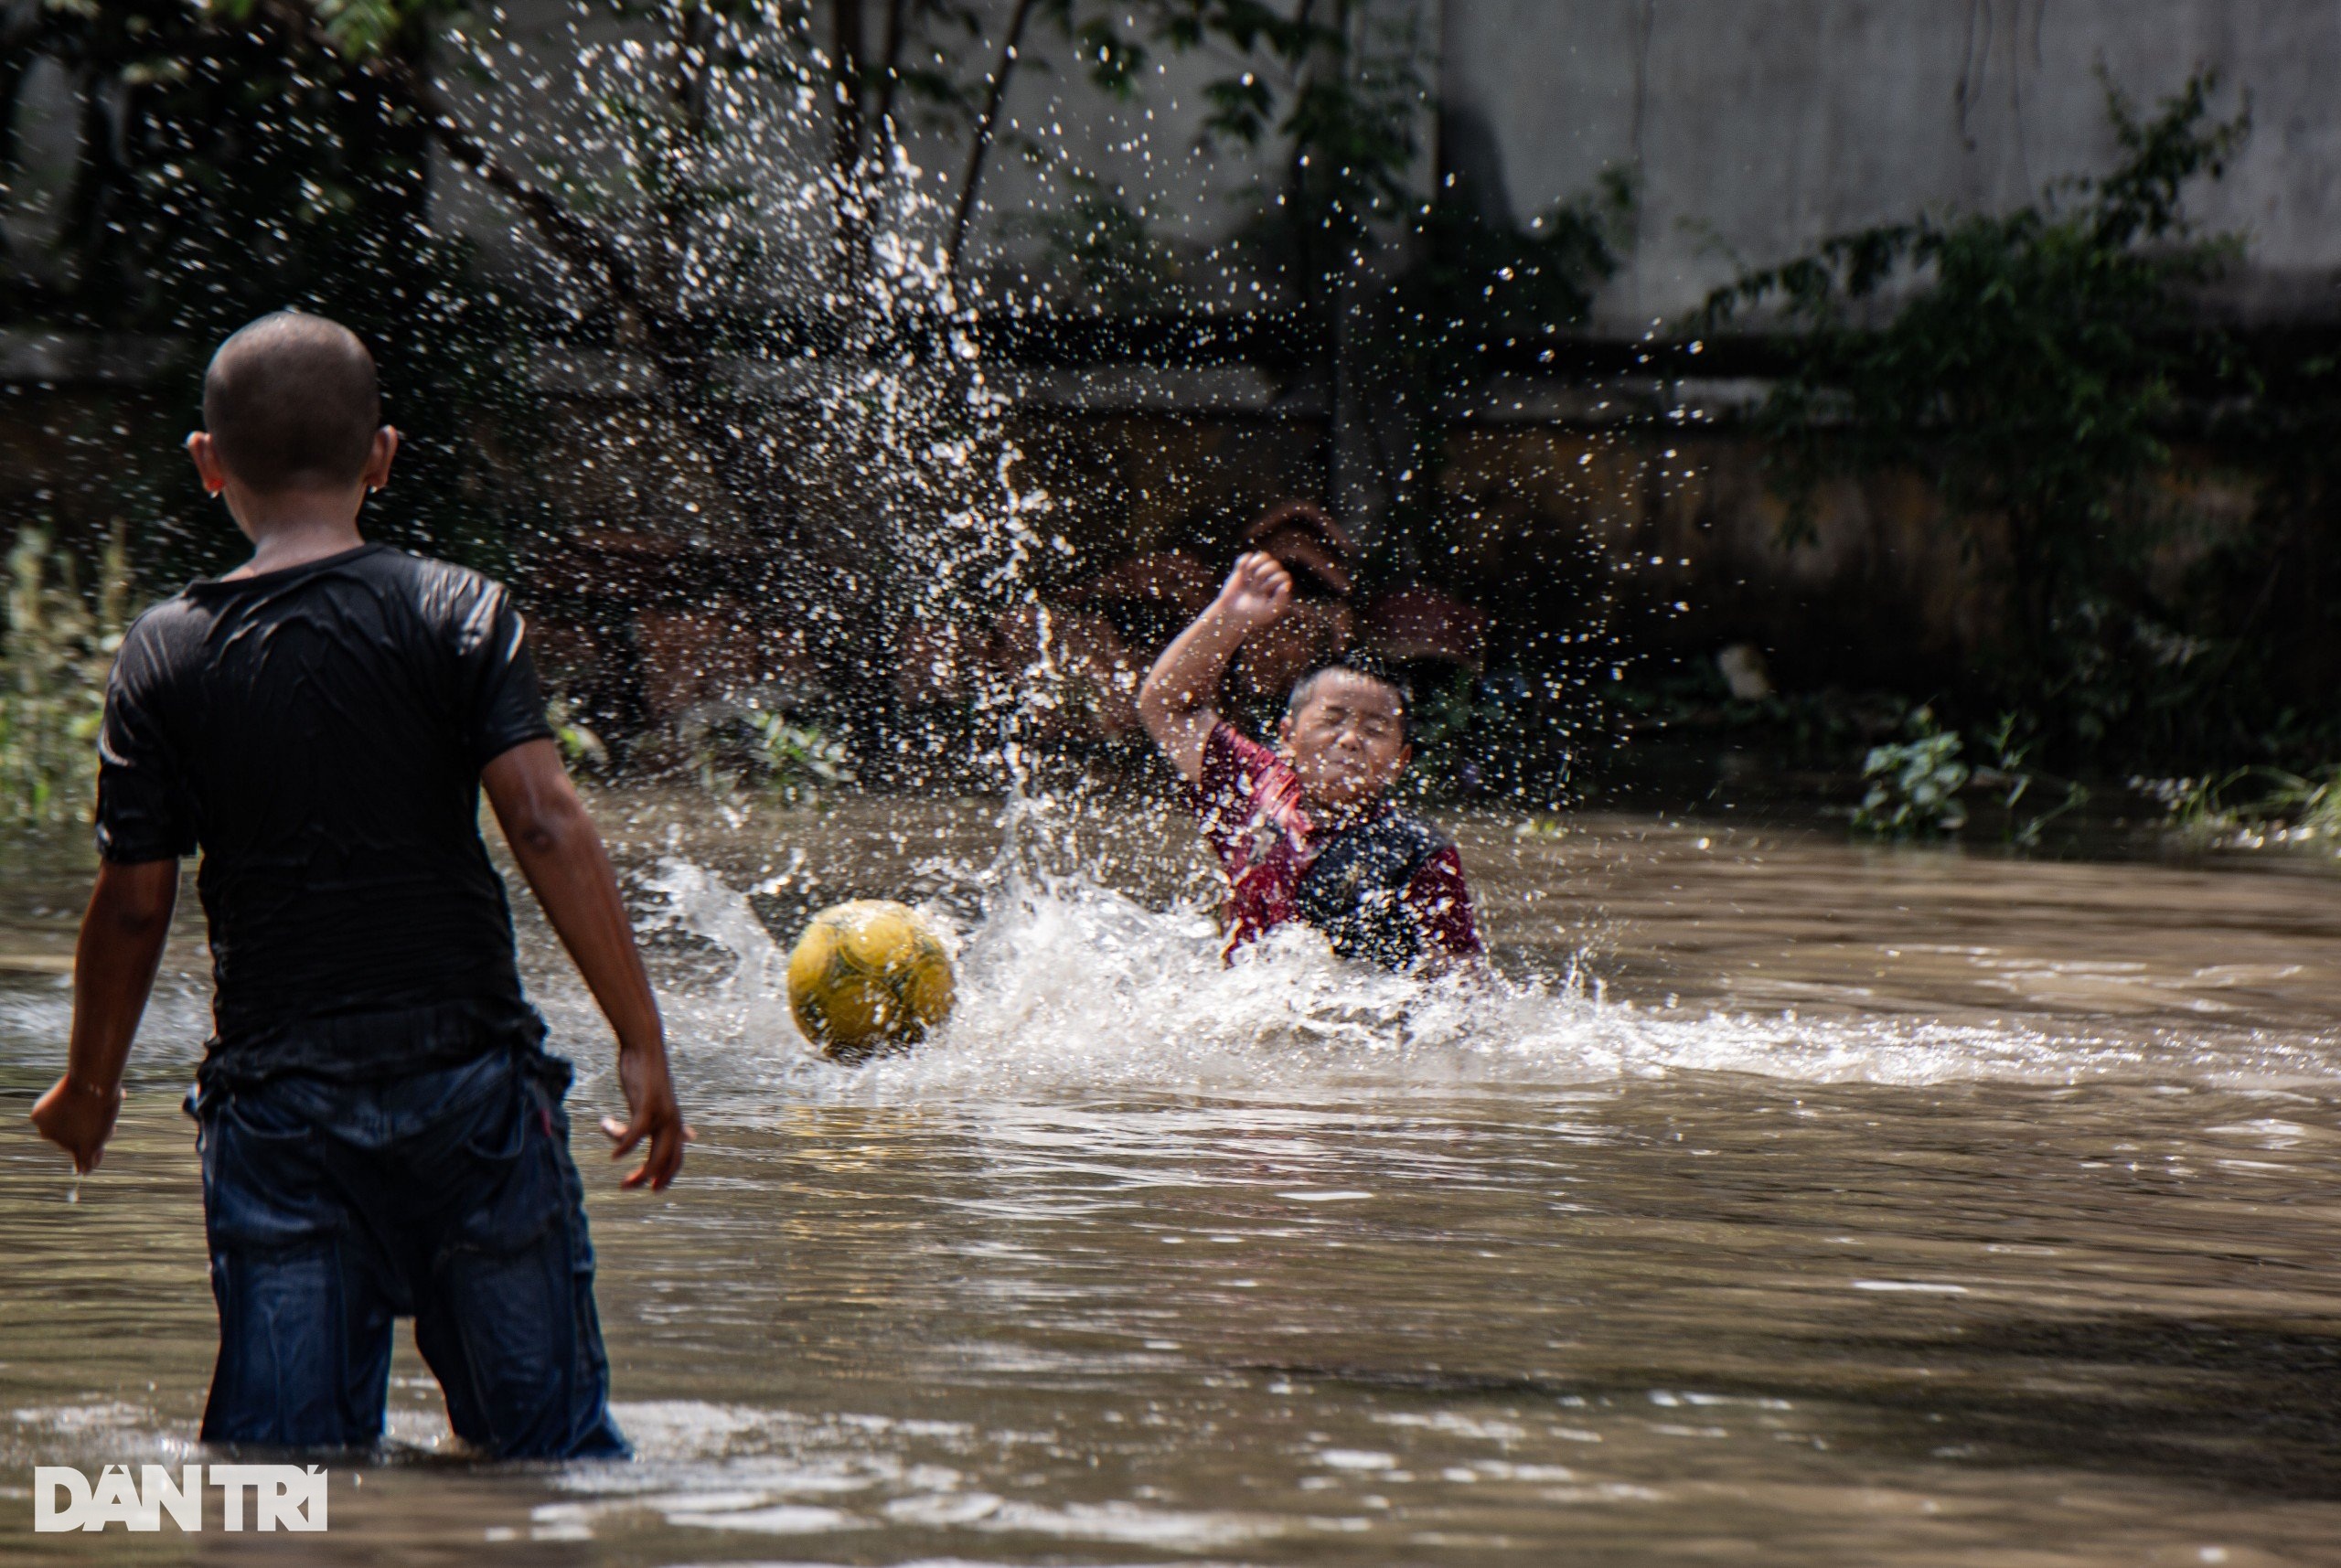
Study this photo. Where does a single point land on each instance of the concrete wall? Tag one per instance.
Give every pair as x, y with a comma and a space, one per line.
1754, 127
1759, 126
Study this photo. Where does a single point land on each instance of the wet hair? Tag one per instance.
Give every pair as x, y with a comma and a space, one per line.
1366, 666
290, 404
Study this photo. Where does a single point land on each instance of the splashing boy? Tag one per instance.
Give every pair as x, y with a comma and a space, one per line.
1305, 832
380, 1125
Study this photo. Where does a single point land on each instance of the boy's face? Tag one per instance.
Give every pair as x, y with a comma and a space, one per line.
1348, 742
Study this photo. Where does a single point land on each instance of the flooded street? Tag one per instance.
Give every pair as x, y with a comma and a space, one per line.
1837, 1205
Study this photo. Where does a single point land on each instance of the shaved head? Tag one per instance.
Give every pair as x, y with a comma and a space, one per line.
1355, 669
290, 404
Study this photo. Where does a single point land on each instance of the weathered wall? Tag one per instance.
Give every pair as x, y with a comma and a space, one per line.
1753, 128
1561, 526
1757, 127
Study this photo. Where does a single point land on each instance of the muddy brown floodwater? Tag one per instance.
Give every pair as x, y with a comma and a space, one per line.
1792, 1202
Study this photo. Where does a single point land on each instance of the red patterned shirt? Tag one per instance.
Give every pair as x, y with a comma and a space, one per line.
1249, 806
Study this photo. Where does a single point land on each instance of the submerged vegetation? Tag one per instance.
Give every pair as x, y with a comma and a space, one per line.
1914, 785
2250, 808
1921, 787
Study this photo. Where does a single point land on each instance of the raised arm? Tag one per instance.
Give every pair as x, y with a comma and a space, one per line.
561, 853
1175, 702
114, 973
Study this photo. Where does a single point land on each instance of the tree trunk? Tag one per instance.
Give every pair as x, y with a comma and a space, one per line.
845, 63
986, 128
845, 141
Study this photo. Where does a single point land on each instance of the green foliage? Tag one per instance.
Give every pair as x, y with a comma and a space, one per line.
1338, 87
799, 764
2030, 364
1410, 291
361, 29
55, 653
1481, 284
1102, 240
731, 748
1482, 736
2191, 806
1108, 56
2011, 774
1914, 785
238, 139
1450, 727
581, 748
1476, 288
239, 157
1339, 82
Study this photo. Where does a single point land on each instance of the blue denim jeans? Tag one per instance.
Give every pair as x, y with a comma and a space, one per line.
333, 1209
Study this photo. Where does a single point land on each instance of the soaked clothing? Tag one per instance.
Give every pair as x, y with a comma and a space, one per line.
382, 1129
333, 1207
1382, 887
1355, 890
319, 734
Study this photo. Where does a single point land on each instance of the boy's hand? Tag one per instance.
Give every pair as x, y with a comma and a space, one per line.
650, 1100
123, 933
1259, 592
78, 1117
561, 855
1175, 702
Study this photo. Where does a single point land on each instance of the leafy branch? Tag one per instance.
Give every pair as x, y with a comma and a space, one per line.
2029, 363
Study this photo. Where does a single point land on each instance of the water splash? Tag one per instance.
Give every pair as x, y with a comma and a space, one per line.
1068, 985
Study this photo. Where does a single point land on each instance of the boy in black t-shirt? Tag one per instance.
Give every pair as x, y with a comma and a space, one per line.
380, 1127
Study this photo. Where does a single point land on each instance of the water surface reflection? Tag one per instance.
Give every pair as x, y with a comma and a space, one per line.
1874, 1206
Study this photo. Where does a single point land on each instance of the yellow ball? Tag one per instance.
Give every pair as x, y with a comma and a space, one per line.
867, 976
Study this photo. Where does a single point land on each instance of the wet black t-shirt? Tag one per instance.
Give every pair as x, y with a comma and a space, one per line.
319, 734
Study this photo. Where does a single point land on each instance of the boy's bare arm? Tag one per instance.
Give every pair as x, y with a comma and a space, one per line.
114, 973
561, 853
1175, 703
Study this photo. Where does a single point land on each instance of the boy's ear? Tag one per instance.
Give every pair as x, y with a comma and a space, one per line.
379, 461
206, 455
